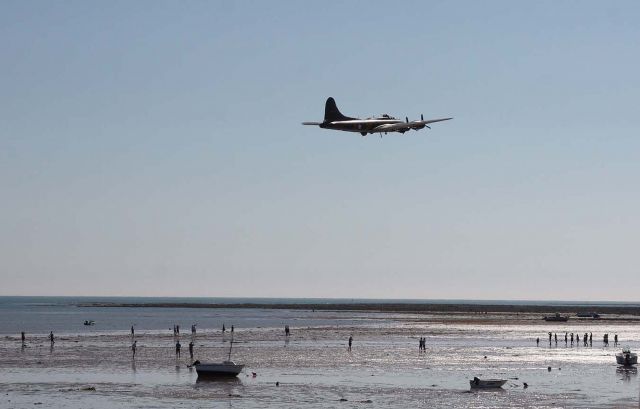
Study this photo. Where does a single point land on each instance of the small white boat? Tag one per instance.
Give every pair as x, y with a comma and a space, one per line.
226, 368
486, 383
626, 357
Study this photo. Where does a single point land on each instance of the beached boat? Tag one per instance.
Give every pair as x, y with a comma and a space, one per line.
556, 318
218, 369
226, 368
477, 383
626, 357
593, 315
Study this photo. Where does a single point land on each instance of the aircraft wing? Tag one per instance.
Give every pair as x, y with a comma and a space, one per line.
406, 126
430, 121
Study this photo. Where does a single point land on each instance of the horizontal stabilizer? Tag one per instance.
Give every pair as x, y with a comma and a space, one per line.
311, 123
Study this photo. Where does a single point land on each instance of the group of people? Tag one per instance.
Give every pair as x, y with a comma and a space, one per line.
587, 339
423, 344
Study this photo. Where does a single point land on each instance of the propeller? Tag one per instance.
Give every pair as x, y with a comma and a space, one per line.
421, 117
406, 118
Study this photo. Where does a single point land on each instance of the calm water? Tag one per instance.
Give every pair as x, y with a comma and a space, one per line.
313, 366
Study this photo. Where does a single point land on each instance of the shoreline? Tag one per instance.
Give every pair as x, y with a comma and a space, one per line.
409, 308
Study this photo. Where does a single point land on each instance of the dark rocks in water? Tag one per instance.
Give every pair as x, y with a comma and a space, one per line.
277, 383
88, 388
343, 399
366, 401
234, 395
525, 385
549, 368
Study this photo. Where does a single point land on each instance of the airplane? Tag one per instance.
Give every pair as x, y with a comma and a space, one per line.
334, 119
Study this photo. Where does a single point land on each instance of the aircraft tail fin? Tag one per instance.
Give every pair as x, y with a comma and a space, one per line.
332, 113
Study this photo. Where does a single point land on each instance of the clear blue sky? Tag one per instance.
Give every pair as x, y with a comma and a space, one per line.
155, 148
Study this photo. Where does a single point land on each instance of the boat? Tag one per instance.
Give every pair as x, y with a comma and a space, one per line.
218, 369
477, 383
626, 357
557, 317
226, 368
89, 322
593, 315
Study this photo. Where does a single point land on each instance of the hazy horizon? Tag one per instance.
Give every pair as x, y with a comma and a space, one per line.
156, 148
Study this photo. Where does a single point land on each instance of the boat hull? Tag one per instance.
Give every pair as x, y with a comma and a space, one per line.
215, 370
627, 359
486, 383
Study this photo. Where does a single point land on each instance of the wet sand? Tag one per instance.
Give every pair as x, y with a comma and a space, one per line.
315, 370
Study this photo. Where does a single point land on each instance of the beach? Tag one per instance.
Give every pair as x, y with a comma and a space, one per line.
92, 366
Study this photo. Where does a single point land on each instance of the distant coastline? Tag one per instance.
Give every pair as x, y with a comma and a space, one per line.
396, 307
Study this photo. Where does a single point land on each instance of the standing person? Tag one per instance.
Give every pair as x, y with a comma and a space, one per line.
538, 341
549, 337
350, 341
133, 333
556, 338
565, 339
232, 329
615, 340
223, 328
24, 338
51, 338
133, 348
193, 329
191, 350
178, 346
178, 329
286, 331
572, 339
591, 339
577, 340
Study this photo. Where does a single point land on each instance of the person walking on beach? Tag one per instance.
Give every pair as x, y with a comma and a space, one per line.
191, 350
24, 338
232, 329
591, 339
615, 340
586, 339
286, 331
350, 341
223, 328
556, 338
572, 339
133, 348
577, 340
538, 341
193, 329
565, 339
549, 337
178, 346
133, 333
178, 329
51, 338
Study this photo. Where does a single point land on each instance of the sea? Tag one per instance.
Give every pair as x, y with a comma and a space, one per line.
92, 366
